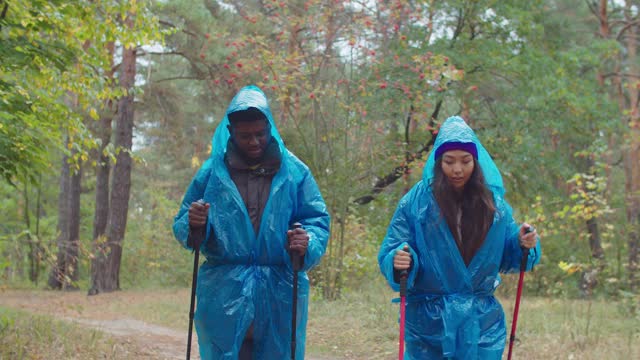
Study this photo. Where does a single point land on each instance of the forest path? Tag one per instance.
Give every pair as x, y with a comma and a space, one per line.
150, 341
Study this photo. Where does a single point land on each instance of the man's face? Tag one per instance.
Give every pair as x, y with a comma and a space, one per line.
251, 137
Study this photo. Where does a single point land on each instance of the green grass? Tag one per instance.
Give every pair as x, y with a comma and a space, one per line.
361, 325
364, 325
27, 336
575, 329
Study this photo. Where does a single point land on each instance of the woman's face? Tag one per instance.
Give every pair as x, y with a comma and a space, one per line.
457, 166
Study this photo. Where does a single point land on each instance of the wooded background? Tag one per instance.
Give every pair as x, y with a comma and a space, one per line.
107, 109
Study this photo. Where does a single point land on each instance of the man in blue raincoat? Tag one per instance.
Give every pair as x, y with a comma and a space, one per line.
454, 232
253, 189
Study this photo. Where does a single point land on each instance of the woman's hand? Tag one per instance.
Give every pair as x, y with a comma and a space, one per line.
402, 259
530, 239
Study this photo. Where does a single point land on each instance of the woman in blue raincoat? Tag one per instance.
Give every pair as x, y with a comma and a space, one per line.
254, 189
459, 234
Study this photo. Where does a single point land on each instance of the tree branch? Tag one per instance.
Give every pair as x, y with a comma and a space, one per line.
407, 125
179, 78
4, 11
625, 28
192, 62
459, 26
166, 23
621, 75
402, 169
142, 53
594, 10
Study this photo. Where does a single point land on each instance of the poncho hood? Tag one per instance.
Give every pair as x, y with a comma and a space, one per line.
249, 96
455, 129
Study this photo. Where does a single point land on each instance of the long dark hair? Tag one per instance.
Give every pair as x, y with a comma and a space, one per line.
476, 203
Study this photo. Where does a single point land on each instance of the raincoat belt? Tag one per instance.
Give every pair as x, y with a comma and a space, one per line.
415, 298
245, 262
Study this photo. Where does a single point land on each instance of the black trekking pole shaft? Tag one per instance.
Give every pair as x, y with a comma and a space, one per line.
194, 282
296, 265
197, 237
294, 315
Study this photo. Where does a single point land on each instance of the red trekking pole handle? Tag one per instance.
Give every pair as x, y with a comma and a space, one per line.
404, 274
296, 264
516, 309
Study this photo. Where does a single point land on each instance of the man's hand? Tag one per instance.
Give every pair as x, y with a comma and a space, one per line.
198, 214
298, 240
402, 259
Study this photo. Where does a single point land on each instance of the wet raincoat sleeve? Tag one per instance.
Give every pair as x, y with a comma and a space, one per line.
314, 218
194, 192
400, 233
512, 254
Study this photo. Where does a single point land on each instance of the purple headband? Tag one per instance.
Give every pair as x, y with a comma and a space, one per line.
468, 147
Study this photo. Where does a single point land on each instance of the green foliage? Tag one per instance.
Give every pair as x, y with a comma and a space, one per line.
51, 75
26, 336
152, 257
354, 93
26, 235
344, 85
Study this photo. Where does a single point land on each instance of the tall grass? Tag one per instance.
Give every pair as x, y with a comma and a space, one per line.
27, 336
363, 324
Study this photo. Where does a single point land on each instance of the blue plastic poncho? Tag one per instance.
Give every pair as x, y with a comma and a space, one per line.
247, 277
451, 311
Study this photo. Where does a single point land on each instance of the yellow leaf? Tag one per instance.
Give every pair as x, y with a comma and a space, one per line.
195, 162
93, 113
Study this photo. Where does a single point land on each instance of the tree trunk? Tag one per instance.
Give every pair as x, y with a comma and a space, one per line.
627, 96
64, 273
107, 278
589, 276
74, 229
30, 240
595, 242
56, 277
605, 33
597, 252
632, 153
101, 214
633, 205
37, 247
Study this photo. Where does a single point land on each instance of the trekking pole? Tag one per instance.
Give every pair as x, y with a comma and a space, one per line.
403, 295
197, 236
523, 267
296, 263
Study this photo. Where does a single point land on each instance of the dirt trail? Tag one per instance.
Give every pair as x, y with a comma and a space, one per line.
173, 344
150, 341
